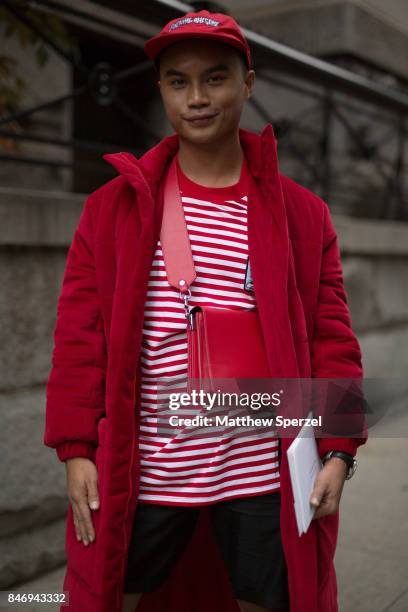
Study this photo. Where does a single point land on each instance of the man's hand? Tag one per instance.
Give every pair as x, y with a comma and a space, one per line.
82, 478
328, 487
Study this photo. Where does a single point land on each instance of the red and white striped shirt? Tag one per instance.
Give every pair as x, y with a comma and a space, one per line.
180, 469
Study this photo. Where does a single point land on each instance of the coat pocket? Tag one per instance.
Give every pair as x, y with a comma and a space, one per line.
81, 558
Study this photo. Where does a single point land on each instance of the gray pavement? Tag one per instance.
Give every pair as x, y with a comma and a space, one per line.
372, 553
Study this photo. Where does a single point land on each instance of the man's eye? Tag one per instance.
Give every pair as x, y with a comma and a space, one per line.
176, 82
217, 77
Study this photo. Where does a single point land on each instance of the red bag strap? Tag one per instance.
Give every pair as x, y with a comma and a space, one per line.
174, 238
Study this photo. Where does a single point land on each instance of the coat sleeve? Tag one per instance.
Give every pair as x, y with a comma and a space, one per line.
335, 351
76, 384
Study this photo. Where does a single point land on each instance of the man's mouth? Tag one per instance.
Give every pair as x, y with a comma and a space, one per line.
201, 119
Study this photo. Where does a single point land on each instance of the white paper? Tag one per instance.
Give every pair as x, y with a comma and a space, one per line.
304, 466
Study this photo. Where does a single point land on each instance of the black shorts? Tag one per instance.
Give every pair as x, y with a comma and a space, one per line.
246, 529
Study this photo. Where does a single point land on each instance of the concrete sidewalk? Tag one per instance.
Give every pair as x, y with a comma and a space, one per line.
372, 553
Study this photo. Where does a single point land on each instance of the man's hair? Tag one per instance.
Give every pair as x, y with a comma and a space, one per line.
240, 54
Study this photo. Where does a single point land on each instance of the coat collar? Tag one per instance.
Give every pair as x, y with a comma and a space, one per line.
260, 151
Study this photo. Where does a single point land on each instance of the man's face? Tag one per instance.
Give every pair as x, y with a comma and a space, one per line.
203, 79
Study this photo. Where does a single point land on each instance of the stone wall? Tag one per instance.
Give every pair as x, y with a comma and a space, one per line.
331, 27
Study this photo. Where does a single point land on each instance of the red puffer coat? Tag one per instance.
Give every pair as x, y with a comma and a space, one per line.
93, 386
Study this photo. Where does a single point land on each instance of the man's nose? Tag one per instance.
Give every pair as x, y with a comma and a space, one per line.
197, 95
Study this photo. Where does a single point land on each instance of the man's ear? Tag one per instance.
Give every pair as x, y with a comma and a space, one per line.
250, 82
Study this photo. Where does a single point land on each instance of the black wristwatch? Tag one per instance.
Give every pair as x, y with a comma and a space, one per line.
349, 459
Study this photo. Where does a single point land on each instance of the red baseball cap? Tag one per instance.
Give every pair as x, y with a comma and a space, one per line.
214, 26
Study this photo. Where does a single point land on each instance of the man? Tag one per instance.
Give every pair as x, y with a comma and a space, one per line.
134, 523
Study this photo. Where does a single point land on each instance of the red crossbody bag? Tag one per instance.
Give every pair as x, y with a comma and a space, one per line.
222, 343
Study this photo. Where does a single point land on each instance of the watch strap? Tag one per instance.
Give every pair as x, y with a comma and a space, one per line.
349, 460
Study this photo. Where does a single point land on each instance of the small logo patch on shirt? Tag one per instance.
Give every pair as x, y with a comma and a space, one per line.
249, 283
